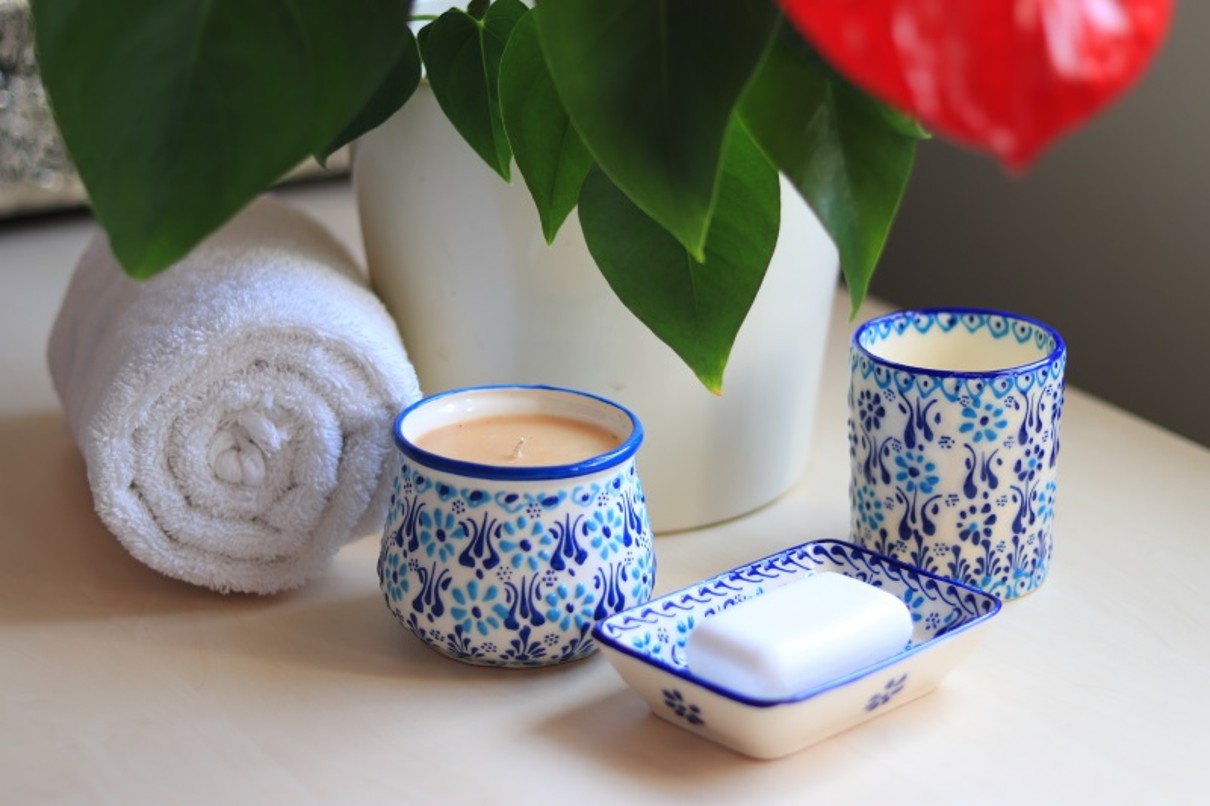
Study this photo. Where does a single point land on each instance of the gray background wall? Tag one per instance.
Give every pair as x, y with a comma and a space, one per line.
1107, 238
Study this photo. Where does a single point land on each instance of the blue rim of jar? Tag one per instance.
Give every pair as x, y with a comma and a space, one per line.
1054, 355
602, 461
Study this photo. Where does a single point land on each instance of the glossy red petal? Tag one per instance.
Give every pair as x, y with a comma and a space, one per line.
1006, 76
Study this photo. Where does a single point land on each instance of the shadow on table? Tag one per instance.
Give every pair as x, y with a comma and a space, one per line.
351, 634
58, 562
618, 731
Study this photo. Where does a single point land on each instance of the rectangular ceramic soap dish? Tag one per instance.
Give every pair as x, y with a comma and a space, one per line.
646, 645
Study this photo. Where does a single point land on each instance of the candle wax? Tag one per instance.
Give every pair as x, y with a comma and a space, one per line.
520, 440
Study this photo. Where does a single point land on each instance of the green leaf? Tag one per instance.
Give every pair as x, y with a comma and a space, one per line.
901, 122
696, 307
398, 85
499, 20
462, 57
549, 152
837, 146
650, 86
178, 112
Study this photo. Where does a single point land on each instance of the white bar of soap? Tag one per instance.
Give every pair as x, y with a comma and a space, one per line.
798, 636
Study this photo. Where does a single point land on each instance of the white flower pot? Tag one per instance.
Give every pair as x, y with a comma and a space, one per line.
459, 259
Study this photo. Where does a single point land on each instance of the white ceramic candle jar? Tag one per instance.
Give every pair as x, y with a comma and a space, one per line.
953, 441
517, 522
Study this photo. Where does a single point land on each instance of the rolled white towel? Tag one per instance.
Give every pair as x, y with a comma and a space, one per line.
235, 411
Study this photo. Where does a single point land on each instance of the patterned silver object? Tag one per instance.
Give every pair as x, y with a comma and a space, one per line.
36, 173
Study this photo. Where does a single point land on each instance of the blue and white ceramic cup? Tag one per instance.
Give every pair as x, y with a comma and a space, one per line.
953, 441
502, 565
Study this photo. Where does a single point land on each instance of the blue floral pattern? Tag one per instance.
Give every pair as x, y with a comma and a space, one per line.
892, 687
983, 422
514, 578
676, 702
916, 473
955, 471
656, 633
437, 533
478, 608
568, 606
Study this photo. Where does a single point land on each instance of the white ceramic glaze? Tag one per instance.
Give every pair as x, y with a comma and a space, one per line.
646, 646
506, 565
459, 259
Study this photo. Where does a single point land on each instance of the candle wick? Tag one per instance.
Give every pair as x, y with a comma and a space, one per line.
517, 453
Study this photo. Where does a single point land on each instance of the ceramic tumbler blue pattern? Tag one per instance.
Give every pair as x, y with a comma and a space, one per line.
953, 443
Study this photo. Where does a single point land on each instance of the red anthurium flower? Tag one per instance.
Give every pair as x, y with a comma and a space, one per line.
1007, 76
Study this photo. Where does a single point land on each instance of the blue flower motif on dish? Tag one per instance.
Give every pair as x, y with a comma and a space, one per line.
983, 422
526, 544
915, 603
892, 687
641, 573
976, 522
1044, 502
869, 508
870, 409
437, 533
683, 628
394, 579
568, 605
647, 642
684, 709
604, 529
478, 607
1028, 465
916, 472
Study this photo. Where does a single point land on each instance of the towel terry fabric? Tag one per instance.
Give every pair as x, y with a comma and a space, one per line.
235, 411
